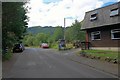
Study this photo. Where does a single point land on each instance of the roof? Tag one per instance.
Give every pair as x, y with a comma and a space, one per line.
103, 17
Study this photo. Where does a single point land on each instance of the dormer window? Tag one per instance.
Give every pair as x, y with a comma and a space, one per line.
114, 12
93, 17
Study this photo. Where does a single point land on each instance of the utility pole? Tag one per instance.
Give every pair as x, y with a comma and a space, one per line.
64, 28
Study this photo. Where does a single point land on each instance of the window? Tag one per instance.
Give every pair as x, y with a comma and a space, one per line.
95, 35
114, 12
93, 17
115, 34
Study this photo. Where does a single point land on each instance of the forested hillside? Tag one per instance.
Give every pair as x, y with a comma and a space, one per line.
39, 29
37, 34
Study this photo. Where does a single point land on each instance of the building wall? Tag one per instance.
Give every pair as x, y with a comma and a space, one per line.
106, 40
103, 17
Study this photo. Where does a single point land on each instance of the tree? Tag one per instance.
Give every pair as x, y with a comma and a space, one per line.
14, 23
69, 34
78, 34
35, 40
58, 34
74, 32
28, 39
42, 37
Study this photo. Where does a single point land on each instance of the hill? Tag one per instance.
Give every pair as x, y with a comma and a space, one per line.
39, 29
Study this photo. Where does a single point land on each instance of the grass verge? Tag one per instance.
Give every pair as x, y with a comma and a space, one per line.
103, 54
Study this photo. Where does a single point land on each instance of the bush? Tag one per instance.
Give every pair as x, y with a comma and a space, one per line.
69, 46
7, 56
54, 46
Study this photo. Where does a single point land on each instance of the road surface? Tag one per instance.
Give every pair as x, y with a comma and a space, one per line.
49, 63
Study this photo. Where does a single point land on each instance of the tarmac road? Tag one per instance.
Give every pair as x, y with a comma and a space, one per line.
48, 63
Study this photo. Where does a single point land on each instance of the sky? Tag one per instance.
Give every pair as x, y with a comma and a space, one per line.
53, 12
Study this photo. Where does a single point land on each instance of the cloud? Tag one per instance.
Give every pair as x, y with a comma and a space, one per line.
53, 13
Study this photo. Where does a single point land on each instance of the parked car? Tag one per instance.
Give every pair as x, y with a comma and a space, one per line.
62, 45
44, 45
18, 48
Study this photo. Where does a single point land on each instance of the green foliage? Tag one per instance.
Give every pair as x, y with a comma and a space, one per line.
103, 53
37, 35
49, 36
14, 17
58, 34
35, 40
54, 45
42, 38
68, 34
14, 23
74, 32
7, 55
69, 45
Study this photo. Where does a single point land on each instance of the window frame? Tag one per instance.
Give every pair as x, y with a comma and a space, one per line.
112, 32
93, 34
115, 10
93, 18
